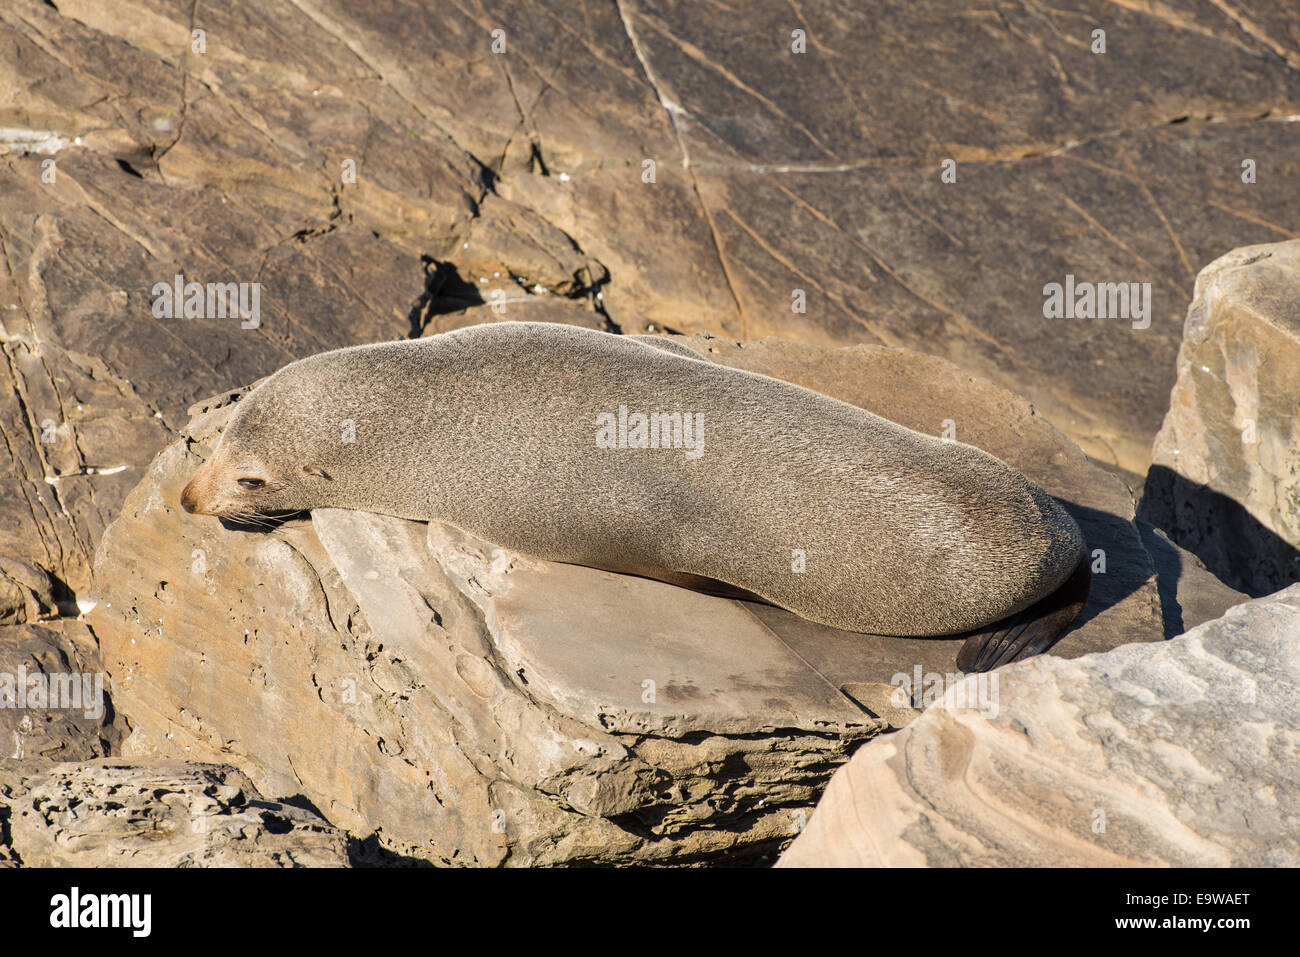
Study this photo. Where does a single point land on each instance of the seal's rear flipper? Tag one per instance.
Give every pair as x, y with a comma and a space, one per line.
1029, 632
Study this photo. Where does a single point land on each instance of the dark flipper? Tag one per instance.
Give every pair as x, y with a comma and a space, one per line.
1029, 632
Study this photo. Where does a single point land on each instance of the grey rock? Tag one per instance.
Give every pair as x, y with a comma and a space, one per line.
660, 660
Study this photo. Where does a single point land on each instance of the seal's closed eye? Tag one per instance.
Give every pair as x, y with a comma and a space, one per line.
251, 483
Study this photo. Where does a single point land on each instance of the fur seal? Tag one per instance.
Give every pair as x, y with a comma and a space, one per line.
643, 457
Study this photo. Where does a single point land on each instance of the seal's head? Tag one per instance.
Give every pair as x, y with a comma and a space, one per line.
241, 487
252, 474
304, 438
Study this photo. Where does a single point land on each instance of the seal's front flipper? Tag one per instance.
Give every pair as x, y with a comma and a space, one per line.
1029, 632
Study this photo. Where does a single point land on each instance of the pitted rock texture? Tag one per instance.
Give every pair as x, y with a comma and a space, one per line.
1225, 476
1180, 753
455, 702
168, 814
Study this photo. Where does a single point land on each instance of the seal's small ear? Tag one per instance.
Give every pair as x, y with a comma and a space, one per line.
318, 472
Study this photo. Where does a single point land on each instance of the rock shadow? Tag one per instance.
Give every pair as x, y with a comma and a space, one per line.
445, 290
1243, 552
1121, 562
264, 523
1169, 570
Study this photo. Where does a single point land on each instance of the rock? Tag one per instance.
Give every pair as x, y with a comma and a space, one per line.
1225, 475
170, 814
655, 660
1190, 594
55, 702
526, 248
1175, 754
26, 592
76, 440
463, 704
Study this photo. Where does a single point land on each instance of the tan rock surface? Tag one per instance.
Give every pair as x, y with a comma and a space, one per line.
76, 439
1180, 753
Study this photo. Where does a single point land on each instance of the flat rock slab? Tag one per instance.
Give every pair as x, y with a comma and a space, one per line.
653, 658
1180, 753
114, 813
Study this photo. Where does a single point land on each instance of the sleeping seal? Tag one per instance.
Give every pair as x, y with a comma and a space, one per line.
628, 455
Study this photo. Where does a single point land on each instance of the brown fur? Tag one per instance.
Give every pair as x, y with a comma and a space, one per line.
493, 429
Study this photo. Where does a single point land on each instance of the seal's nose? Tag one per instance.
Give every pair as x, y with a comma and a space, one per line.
188, 500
